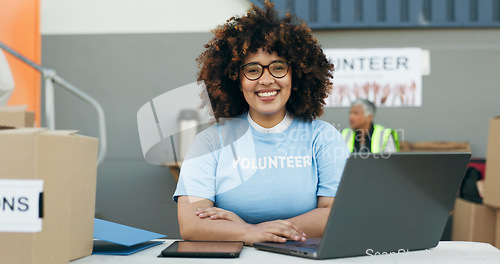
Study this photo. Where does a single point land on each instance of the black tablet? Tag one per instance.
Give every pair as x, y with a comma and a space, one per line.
203, 249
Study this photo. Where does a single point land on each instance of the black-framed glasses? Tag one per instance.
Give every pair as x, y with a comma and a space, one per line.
253, 70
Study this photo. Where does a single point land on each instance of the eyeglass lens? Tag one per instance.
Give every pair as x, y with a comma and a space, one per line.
277, 69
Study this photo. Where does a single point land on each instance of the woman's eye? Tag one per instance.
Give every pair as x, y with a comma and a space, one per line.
278, 66
252, 69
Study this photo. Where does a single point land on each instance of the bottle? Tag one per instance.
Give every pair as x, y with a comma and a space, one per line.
188, 128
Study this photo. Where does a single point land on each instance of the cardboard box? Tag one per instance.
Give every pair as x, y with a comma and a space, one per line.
473, 222
67, 163
497, 230
492, 175
16, 116
434, 146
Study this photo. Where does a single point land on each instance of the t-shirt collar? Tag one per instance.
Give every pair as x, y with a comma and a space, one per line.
280, 127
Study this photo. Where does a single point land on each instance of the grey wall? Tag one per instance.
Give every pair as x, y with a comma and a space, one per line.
124, 71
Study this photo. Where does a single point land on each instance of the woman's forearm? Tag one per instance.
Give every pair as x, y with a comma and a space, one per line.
192, 227
198, 220
215, 230
313, 222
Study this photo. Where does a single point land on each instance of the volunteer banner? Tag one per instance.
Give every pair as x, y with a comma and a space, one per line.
387, 77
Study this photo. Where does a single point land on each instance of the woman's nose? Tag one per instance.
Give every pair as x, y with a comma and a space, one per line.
266, 78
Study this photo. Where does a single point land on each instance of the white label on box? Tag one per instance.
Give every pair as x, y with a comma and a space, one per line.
20, 205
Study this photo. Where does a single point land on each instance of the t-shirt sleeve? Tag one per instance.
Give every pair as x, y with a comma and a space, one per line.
197, 175
331, 154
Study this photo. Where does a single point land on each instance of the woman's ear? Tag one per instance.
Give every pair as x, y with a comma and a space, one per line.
370, 118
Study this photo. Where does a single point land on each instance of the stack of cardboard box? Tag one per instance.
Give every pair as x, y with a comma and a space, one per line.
67, 164
492, 179
16, 116
434, 146
481, 222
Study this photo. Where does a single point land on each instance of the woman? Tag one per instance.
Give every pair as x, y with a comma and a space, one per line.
270, 171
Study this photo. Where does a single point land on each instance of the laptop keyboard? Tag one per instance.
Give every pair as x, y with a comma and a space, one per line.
306, 245
310, 245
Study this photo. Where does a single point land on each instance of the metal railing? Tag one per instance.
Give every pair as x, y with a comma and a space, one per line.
50, 77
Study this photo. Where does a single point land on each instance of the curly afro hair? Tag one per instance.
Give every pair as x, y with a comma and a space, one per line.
289, 37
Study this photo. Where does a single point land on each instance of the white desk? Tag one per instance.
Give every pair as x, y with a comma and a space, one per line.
445, 252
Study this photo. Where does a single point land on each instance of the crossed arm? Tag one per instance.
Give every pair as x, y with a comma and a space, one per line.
200, 220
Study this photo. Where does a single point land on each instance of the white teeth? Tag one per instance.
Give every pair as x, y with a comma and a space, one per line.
267, 94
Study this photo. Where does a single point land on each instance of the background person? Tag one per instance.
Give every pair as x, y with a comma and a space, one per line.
267, 78
365, 136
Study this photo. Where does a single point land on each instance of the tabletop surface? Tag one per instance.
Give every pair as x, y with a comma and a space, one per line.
445, 252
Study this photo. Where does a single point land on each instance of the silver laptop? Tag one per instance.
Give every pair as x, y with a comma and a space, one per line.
386, 203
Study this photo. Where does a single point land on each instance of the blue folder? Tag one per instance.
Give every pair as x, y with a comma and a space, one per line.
118, 239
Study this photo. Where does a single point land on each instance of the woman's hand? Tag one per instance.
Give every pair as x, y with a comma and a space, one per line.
274, 231
215, 213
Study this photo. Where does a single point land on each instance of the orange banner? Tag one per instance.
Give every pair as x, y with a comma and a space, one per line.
20, 30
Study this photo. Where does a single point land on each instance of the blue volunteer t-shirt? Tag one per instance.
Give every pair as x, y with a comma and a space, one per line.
264, 176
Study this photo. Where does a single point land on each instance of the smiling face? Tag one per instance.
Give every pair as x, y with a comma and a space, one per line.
266, 96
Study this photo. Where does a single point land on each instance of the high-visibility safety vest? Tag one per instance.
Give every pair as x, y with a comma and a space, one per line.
379, 138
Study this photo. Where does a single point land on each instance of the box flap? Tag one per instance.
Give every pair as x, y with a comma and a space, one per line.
29, 130
61, 132
66, 133
16, 108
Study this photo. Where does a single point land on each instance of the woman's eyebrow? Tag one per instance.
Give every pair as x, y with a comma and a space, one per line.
257, 62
